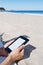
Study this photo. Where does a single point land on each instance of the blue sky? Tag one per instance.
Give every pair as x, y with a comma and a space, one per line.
22, 4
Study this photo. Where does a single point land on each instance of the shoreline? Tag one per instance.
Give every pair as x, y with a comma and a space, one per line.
38, 14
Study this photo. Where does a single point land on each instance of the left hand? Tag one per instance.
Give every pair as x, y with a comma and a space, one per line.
3, 52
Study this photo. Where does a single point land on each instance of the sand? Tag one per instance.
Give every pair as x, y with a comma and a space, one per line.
13, 25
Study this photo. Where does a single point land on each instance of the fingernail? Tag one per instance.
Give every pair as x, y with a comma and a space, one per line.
23, 45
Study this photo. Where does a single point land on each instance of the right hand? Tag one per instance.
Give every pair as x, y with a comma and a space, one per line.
17, 54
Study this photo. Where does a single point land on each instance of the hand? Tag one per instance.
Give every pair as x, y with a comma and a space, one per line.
3, 52
17, 54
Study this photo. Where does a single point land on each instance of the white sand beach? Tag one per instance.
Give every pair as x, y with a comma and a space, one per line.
13, 25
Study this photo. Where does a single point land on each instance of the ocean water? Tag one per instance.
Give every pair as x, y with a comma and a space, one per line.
26, 11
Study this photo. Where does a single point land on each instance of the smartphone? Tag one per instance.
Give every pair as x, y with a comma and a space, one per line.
21, 40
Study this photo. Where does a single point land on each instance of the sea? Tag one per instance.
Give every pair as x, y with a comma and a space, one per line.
25, 11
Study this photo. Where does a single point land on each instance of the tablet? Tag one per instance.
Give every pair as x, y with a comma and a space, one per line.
21, 40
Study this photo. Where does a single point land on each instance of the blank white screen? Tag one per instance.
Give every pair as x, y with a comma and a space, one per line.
16, 44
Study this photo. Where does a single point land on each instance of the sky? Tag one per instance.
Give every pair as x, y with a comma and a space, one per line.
22, 4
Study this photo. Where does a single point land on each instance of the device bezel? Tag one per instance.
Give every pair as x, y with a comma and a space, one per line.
26, 40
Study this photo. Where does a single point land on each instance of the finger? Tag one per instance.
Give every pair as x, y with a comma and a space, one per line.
21, 47
21, 55
7, 44
22, 52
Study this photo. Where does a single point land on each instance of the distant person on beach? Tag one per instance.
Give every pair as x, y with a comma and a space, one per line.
13, 56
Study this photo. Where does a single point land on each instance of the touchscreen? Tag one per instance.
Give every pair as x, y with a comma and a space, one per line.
16, 44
